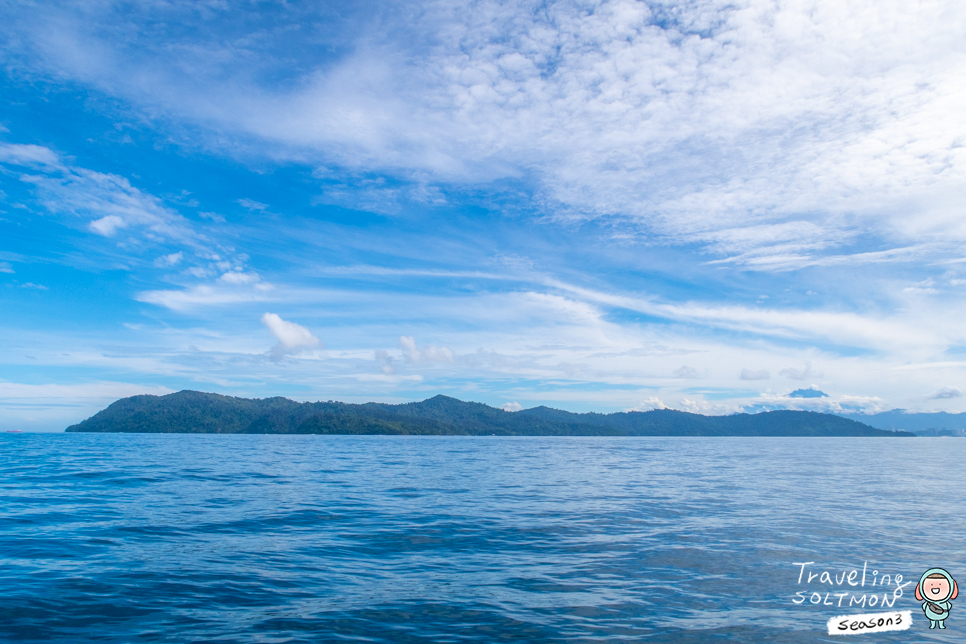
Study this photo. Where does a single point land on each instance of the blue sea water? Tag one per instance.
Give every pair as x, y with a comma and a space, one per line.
211, 538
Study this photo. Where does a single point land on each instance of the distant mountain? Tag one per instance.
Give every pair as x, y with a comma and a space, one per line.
929, 424
203, 413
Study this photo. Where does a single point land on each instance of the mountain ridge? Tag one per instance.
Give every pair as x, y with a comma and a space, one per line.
920, 423
200, 412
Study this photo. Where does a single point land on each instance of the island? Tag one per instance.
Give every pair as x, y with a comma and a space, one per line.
198, 412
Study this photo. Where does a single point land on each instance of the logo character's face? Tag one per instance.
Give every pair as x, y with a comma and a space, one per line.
935, 589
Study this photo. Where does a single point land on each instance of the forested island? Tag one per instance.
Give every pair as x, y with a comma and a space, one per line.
205, 413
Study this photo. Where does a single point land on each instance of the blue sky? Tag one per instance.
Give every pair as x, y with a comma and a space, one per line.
589, 205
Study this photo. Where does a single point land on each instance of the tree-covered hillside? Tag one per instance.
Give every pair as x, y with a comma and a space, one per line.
204, 413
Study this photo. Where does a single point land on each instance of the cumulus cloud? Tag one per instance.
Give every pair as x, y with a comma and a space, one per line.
748, 374
511, 406
292, 338
414, 355
947, 392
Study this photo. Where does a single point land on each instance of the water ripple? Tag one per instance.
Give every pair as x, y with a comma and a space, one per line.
207, 538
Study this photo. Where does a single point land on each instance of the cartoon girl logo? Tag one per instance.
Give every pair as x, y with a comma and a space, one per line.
936, 590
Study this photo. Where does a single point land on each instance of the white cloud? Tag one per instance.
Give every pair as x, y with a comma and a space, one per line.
947, 392
39, 287
925, 287
239, 277
648, 404
108, 225
686, 372
748, 374
511, 406
169, 260
706, 407
798, 374
5, 267
412, 354
252, 205
292, 338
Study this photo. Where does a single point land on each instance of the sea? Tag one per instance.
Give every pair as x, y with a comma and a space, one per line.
279, 538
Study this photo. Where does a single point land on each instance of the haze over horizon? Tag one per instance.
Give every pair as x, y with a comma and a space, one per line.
594, 206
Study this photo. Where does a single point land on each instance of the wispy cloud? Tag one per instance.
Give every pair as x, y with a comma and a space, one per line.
108, 202
252, 205
206, 295
839, 328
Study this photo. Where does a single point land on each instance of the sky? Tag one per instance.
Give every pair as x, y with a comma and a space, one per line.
595, 206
